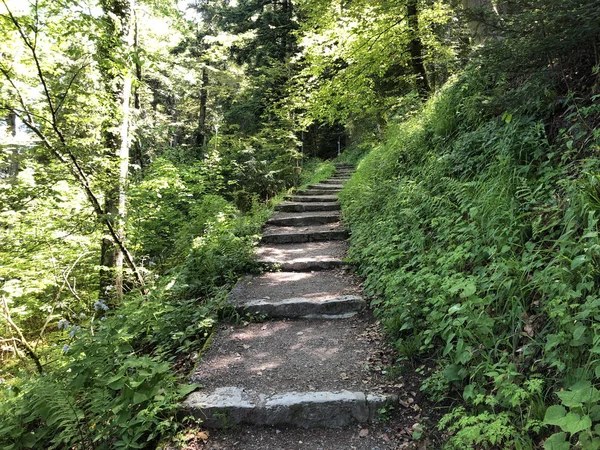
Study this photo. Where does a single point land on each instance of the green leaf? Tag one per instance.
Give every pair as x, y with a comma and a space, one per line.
579, 394
578, 261
555, 415
140, 397
184, 389
116, 383
557, 441
454, 372
578, 335
468, 290
574, 423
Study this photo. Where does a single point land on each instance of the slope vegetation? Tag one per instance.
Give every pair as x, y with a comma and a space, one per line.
475, 223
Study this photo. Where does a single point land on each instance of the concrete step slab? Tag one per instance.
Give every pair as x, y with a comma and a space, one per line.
325, 186
308, 256
336, 181
313, 191
304, 219
341, 307
227, 406
282, 286
269, 370
307, 207
296, 235
312, 198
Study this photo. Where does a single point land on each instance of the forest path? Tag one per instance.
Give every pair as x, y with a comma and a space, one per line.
311, 376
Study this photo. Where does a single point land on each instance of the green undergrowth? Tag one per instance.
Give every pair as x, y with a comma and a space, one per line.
115, 376
353, 154
315, 171
477, 232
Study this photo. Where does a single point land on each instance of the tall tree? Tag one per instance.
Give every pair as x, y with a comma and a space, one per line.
116, 50
415, 47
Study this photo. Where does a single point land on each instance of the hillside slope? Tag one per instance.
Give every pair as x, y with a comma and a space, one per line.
476, 228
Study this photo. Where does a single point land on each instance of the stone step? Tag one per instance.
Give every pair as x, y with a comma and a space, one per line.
280, 287
326, 186
295, 219
343, 166
341, 307
308, 256
312, 191
305, 373
335, 181
312, 198
227, 406
295, 235
304, 207
295, 295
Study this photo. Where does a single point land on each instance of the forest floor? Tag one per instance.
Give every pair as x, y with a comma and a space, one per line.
310, 367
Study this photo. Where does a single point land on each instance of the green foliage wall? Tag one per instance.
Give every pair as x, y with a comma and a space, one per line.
478, 238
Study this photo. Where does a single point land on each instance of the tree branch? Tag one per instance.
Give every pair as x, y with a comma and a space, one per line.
22, 340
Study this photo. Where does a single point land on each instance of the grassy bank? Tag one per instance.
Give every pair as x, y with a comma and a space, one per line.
477, 231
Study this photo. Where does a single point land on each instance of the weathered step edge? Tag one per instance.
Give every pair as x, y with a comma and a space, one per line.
312, 191
312, 198
341, 307
306, 219
302, 266
307, 207
227, 406
328, 187
305, 236
337, 181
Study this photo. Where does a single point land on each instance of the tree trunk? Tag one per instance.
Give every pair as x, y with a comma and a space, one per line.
111, 281
416, 48
201, 140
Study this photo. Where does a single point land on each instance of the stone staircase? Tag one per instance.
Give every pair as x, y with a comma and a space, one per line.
305, 365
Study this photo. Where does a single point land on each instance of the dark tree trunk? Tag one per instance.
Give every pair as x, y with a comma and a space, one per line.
201, 136
137, 152
415, 48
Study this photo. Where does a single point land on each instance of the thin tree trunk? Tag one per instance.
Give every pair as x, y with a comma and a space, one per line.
416, 48
137, 155
201, 141
116, 199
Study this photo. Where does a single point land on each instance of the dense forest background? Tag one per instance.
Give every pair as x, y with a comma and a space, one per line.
144, 141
